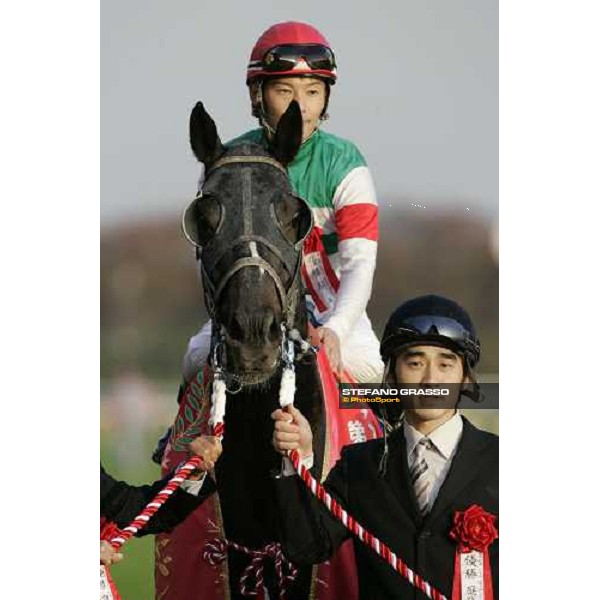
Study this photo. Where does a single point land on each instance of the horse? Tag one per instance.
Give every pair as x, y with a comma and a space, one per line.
249, 227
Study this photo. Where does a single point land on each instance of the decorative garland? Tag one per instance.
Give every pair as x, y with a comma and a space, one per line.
251, 581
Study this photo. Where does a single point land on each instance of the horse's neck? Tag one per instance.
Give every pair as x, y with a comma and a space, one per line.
250, 409
254, 401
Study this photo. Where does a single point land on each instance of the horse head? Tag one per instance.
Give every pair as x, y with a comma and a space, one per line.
248, 227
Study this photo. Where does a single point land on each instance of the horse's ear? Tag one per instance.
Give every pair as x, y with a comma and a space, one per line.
288, 136
204, 138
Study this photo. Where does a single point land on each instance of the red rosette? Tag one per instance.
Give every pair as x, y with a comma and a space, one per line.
474, 529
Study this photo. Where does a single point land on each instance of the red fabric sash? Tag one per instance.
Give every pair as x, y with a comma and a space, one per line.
321, 282
458, 584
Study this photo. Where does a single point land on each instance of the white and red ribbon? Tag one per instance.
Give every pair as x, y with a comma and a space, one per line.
472, 576
108, 590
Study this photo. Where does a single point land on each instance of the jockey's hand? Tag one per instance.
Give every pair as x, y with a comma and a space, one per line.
108, 555
209, 448
292, 431
331, 341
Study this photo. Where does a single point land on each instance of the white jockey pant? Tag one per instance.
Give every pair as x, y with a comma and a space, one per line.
360, 352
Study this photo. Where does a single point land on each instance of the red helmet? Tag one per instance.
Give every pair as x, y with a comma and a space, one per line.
291, 48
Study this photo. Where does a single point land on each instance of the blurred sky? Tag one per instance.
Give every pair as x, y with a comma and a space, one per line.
417, 92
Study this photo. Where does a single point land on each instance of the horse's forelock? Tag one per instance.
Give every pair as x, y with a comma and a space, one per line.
246, 149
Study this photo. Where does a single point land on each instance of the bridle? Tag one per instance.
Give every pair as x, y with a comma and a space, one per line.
214, 286
213, 289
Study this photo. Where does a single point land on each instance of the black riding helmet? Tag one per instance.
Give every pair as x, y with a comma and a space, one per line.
433, 320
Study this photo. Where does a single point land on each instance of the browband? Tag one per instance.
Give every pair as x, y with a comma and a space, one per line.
227, 160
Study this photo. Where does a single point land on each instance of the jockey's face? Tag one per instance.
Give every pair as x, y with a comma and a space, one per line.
431, 365
309, 92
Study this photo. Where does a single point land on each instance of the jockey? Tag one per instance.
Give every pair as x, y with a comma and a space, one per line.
293, 61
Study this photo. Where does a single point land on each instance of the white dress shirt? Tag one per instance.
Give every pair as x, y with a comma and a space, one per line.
439, 457
192, 487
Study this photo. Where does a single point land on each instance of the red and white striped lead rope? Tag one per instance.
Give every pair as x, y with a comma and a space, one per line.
357, 529
182, 473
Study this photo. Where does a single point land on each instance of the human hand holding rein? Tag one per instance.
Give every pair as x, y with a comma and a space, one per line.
330, 340
292, 432
108, 555
207, 447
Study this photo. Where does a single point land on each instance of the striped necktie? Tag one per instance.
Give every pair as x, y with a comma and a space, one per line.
420, 474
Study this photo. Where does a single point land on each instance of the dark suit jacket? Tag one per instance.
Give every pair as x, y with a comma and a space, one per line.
121, 502
387, 508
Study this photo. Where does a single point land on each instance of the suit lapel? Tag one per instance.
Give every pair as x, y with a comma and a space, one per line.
466, 465
398, 476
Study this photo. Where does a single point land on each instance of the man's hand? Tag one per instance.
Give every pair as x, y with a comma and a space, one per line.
331, 341
209, 449
108, 555
292, 432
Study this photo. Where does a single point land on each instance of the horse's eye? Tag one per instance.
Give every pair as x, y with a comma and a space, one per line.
209, 217
202, 219
293, 217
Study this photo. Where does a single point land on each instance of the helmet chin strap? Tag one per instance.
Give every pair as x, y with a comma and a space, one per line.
471, 390
388, 427
475, 394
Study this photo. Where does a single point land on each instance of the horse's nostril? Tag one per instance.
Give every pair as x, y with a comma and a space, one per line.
235, 331
274, 331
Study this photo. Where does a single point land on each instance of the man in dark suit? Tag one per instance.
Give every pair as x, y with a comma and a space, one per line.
407, 492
